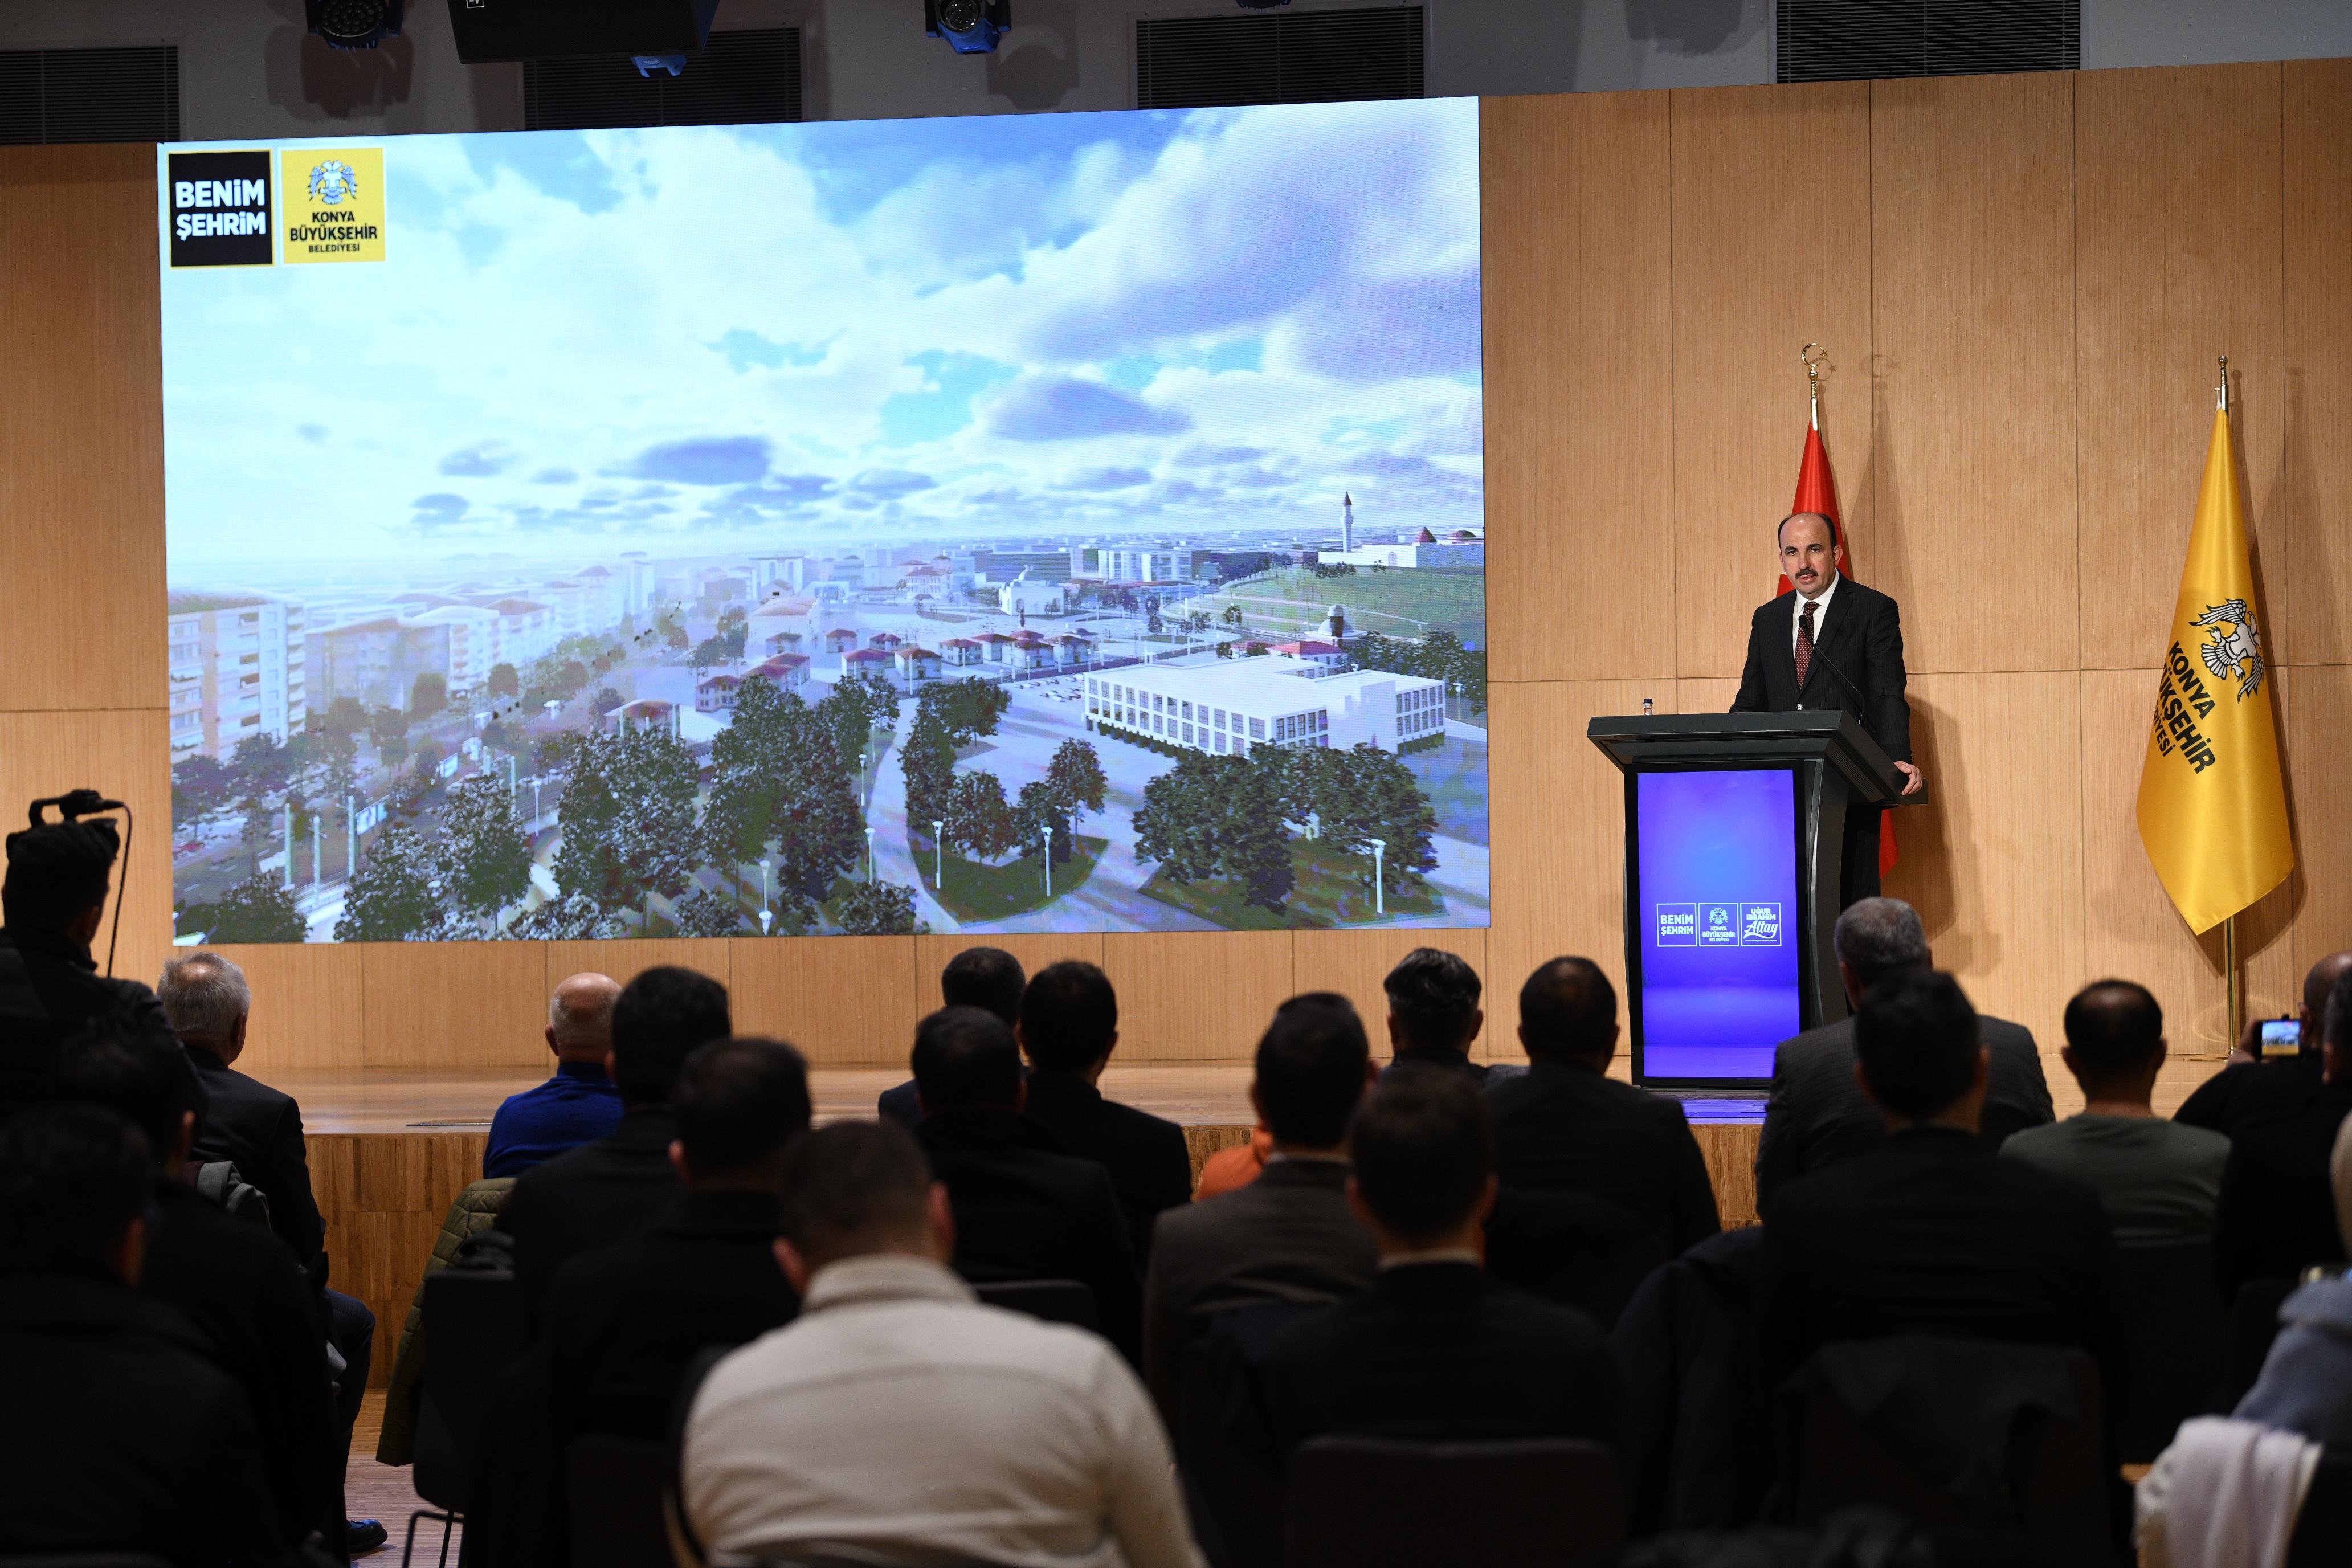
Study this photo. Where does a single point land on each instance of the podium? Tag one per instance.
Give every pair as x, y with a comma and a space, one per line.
1735, 851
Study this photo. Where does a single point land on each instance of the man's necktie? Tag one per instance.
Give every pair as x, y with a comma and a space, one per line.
1805, 644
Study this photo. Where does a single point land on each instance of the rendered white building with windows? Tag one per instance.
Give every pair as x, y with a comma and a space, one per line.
1230, 705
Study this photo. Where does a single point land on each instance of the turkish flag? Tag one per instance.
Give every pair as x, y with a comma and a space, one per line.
1817, 491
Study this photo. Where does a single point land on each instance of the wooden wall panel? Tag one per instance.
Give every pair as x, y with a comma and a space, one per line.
625, 960
2176, 188
428, 1003
122, 754
2319, 739
1354, 962
1579, 455
841, 999
1771, 251
2317, 463
81, 431
309, 1002
1972, 448
1197, 995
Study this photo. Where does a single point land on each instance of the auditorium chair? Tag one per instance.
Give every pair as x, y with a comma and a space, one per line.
1052, 1300
2175, 1330
2323, 1530
2253, 1324
615, 1487
477, 1320
1365, 1502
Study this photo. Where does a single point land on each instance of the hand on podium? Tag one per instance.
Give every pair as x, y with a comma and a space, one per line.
1912, 782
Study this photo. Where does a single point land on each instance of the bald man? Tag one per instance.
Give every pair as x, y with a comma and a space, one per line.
2251, 1085
579, 1104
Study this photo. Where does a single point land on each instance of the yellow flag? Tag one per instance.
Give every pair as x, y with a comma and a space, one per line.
2212, 802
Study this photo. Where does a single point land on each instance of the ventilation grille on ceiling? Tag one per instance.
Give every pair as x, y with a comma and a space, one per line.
1848, 40
1289, 57
750, 76
125, 94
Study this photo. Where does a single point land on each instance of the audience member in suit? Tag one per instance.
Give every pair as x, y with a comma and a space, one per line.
1817, 1113
2253, 1085
1069, 1026
118, 1432
1290, 1234
2276, 1216
1437, 1349
1025, 1207
2306, 1379
579, 1104
987, 978
1433, 1012
230, 1277
2156, 1178
623, 1322
621, 1184
52, 903
1564, 1126
897, 1420
1930, 1233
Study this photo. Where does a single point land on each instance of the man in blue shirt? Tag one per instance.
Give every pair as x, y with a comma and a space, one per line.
579, 1104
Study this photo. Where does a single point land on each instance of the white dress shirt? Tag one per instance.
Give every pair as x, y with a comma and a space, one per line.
898, 1421
1820, 612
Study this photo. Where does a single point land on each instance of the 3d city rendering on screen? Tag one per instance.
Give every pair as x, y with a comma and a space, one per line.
1059, 522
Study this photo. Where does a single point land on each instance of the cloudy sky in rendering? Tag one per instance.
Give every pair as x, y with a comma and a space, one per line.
697, 340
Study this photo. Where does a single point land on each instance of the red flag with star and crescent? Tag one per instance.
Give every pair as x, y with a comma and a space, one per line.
1817, 491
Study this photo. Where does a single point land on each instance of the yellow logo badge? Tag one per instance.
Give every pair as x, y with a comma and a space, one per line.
334, 203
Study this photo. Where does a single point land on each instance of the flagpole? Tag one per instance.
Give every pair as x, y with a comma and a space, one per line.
2235, 989
1816, 359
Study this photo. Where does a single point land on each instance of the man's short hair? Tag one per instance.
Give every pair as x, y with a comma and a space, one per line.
985, 977
964, 1056
1422, 1147
657, 1020
737, 1103
1568, 1008
1916, 1040
1780, 527
1434, 994
853, 1187
2113, 1026
1068, 1016
1311, 1063
139, 1074
56, 873
203, 995
72, 1178
2336, 1028
1875, 937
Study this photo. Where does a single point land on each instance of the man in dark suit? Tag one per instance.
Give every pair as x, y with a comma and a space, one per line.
1025, 1207
1070, 1024
1434, 1012
2276, 1214
1564, 1127
1817, 1114
118, 1432
1288, 1236
1437, 1349
1833, 644
623, 1322
2252, 1085
621, 1184
987, 978
1932, 1233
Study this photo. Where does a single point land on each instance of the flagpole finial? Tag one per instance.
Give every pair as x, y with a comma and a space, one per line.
2222, 393
1816, 359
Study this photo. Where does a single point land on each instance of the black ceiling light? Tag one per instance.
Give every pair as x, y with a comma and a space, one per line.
970, 26
353, 23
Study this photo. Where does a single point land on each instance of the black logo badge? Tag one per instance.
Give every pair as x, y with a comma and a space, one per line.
219, 210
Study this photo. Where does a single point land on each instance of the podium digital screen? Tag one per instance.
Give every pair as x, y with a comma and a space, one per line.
1717, 982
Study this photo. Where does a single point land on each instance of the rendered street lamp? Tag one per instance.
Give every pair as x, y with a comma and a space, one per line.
318, 855
765, 917
869, 855
1045, 853
1380, 898
939, 856
288, 809
763, 892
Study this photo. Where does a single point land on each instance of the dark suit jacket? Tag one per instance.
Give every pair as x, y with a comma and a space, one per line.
1025, 1208
1439, 1350
1451, 1061
259, 1130
1817, 1114
601, 1193
623, 1322
903, 1102
238, 1286
2276, 1215
1151, 1166
2244, 1090
1288, 1236
1861, 637
49, 988
1931, 1233
117, 1431
1559, 1126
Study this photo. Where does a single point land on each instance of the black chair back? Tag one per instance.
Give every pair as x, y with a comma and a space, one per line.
2175, 1334
1051, 1300
2323, 1530
2253, 1324
1362, 1502
475, 1319
616, 1486
1233, 1499
1573, 1248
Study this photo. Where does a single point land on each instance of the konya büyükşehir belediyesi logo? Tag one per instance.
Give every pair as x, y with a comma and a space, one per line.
334, 203
219, 210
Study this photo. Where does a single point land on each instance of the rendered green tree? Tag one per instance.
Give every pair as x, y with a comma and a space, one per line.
392, 898
259, 908
487, 857
703, 912
979, 822
878, 909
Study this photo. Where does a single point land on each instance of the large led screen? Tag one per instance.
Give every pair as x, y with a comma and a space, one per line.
1718, 879
1051, 522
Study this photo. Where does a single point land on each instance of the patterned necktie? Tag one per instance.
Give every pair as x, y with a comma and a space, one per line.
1805, 644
